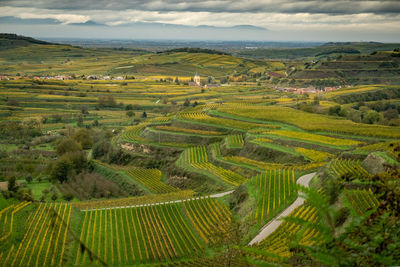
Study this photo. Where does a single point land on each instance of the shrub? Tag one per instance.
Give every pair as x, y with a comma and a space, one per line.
107, 101
68, 145
84, 137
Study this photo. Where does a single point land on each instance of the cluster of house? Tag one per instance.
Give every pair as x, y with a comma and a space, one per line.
58, 77
106, 78
309, 90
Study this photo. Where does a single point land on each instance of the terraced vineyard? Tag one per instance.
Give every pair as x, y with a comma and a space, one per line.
361, 200
351, 169
274, 189
278, 242
150, 178
203, 117
185, 130
314, 155
197, 158
315, 138
132, 133
114, 157
234, 141
134, 201
310, 122
151, 233
266, 165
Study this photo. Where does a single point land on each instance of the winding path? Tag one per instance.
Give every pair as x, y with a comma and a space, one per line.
272, 225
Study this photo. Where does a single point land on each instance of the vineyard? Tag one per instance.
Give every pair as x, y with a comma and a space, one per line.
278, 242
361, 200
44, 241
266, 165
150, 178
203, 117
122, 156
134, 201
197, 158
314, 155
307, 121
315, 138
274, 189
234, 141
151, 233
7, 219
351, 169
185, 130
132, 133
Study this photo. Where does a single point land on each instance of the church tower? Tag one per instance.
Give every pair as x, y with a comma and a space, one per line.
197, 79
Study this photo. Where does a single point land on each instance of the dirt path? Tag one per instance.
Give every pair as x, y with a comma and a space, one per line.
272, 225
167, 202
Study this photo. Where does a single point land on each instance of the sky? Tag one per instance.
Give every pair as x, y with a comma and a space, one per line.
265, 20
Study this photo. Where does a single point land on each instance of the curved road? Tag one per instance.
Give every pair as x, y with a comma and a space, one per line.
272, 225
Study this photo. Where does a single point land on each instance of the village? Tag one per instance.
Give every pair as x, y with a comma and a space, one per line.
195, 81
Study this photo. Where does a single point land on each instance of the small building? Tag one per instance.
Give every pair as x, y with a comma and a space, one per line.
196, 79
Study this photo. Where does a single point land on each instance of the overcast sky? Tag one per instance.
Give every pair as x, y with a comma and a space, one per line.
306, 20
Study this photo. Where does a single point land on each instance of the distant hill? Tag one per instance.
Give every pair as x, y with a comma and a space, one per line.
195, 50
376, 68
322, 51
44, 58
10, 40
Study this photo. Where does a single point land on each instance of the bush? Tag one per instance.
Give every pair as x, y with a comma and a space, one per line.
68, 145
84, 137
69, 164
54, 197
107, 101
130, 113
68, 196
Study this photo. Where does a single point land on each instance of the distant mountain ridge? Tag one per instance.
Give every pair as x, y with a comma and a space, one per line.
11, 40
13, 36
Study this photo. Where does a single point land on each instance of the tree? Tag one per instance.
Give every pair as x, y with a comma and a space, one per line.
79, 120
60, 170
68, 145
186, 103
84, 137
391, 114
68, 196
107, 101
129, 107
130, 113
371, 117
29, 179
12, 185
84, 110
45, 192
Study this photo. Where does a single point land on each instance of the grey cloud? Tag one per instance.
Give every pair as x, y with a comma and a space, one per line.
235, 6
